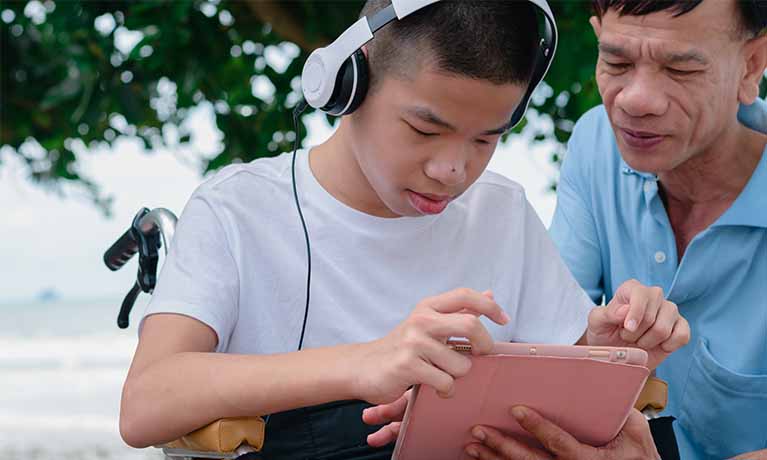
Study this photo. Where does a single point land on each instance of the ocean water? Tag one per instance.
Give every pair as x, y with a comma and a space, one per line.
62, 366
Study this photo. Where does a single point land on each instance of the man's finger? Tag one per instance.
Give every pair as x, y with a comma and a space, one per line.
680, 336
649, 301
385, 435
662, 329
639, 305
469, 299
554, 439
604, 320
502, 446
384, 413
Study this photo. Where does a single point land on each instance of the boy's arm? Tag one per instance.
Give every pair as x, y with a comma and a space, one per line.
176, 385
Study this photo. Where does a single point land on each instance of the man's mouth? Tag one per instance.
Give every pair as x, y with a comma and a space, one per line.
427, 203
641, 139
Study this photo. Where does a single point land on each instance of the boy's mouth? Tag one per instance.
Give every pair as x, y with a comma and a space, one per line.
426, 203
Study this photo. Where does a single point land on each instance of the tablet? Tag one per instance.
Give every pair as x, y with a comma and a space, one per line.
588, 391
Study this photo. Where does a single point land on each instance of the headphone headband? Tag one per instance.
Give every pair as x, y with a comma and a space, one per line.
334, 78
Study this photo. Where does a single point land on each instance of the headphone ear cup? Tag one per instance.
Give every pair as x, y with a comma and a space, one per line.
362, 81
351, 86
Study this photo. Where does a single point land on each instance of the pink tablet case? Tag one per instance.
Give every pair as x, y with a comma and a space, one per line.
590, 398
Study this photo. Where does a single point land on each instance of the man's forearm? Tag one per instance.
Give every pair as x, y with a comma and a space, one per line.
185, 391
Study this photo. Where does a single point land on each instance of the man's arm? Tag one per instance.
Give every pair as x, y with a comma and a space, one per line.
755, 455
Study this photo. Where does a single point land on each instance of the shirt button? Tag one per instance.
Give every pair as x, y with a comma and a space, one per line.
660, 257
648, 187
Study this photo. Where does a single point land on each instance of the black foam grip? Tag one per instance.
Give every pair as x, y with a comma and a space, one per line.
121, 251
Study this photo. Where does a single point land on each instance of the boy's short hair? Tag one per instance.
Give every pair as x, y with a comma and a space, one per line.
753, 13
485, 39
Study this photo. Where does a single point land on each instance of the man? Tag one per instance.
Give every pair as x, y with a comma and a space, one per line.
401, 213
662, 184
674, 194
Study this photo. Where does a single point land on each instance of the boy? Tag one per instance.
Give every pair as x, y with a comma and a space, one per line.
406, 227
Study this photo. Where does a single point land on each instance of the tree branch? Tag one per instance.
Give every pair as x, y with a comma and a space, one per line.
283, 23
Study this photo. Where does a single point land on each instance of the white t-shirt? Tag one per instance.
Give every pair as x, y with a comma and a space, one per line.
238, 263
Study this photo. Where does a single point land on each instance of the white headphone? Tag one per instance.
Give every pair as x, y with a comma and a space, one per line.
335, 78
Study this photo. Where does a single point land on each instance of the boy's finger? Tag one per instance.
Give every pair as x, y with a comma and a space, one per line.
463, 325
464, 298
454, 363
434, 377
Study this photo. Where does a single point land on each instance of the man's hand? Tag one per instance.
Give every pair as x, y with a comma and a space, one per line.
755, 455
416, 351
391, 414
634, 442
639, 316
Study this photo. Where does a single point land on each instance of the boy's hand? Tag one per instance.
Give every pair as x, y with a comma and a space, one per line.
639, 316
416, 350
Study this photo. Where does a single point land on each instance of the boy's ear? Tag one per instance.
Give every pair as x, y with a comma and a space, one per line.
365, 50
596, 24
755, 54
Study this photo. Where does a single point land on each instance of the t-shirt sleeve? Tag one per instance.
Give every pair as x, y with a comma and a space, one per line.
573, 227
199, 277
552, 306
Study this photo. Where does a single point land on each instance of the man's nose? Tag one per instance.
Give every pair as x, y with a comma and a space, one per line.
643, 95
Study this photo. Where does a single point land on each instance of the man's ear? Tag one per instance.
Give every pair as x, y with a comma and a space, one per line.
596, 24
755, 54
365, 50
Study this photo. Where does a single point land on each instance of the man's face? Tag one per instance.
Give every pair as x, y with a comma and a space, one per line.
421, 142
670, 84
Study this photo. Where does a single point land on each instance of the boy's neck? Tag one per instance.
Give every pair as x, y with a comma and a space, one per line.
335, 166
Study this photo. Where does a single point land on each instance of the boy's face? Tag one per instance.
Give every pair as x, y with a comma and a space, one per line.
421, 142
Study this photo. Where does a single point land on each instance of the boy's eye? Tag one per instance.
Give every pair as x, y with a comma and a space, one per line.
422, 133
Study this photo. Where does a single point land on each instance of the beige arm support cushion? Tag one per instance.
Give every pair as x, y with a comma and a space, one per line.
654, 395
224, 435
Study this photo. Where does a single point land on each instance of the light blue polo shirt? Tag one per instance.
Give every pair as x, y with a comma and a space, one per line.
610, 226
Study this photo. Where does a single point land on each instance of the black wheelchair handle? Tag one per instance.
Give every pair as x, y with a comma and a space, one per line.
127, 306
121, 251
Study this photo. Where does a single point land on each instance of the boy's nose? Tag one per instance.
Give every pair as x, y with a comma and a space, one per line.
450, 172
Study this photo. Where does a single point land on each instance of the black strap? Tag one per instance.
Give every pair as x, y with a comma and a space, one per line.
332, 431
663, 434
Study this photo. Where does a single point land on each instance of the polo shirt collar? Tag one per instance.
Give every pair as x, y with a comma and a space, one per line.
750, 208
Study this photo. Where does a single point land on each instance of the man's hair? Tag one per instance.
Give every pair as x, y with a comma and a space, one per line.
485, 39
753, 13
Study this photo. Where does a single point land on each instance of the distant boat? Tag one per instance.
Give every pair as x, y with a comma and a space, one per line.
48, 295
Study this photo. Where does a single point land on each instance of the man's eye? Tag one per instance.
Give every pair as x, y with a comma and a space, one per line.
617, 66
680, 72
